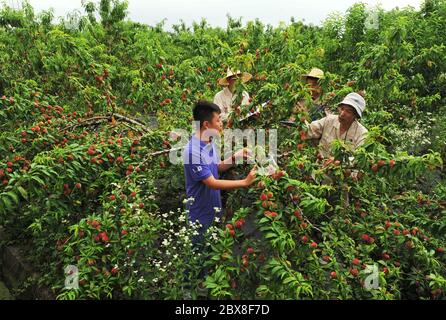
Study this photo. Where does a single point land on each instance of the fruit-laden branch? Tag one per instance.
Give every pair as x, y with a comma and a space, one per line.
87, 123
129, 120
110, 117
132, 128
158, 153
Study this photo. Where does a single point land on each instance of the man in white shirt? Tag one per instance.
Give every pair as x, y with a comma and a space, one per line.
226, 98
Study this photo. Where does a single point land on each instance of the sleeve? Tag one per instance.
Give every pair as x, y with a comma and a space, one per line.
316, 128
245, 99
194, 166
198, 172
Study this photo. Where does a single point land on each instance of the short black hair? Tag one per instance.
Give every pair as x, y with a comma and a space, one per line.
204, 111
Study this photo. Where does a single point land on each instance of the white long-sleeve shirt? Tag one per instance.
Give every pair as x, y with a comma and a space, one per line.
224, 99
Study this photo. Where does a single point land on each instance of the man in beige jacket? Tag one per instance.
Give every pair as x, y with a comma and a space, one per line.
344, 126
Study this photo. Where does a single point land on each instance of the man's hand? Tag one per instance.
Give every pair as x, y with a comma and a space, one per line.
328, 161
251, 176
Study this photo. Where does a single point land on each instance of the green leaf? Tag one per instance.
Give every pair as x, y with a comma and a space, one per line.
38, 180
6, 202
13, 196
23, 192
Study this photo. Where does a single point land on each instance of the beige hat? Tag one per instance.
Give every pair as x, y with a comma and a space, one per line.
356, 101
314, 73
245, 76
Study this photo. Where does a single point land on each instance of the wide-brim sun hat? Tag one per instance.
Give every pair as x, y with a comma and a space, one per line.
314, 73
356, 101
244, 76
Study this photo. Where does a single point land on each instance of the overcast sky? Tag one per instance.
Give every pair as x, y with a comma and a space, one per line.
215, 11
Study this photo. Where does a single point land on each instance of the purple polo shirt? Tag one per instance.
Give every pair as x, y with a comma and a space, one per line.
200, 162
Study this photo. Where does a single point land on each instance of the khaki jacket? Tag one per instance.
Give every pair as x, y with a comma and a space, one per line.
327, 129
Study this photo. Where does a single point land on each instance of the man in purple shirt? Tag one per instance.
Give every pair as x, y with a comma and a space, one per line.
202, 165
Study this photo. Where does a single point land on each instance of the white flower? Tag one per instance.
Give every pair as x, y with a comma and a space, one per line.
155, 280
175, 256
164, 215
217, 219
165, 242
190, 200
217, 209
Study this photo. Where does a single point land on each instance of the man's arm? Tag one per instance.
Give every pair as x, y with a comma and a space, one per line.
213, 183
316, 128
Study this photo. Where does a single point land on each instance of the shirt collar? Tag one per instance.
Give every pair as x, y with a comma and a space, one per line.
337, 124
202, 143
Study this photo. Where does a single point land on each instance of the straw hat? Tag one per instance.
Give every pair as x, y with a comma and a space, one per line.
245, 77
314, 73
